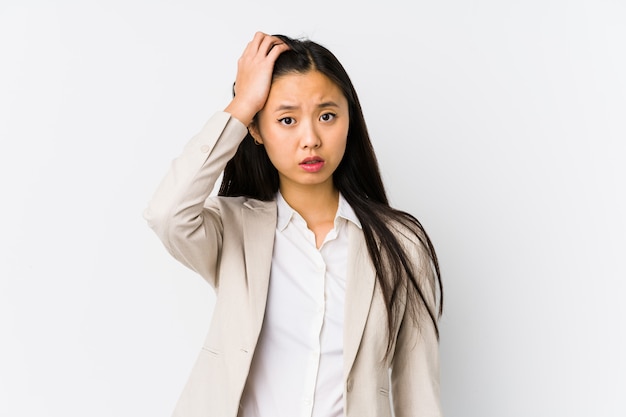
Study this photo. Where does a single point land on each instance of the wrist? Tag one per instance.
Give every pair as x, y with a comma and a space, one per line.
240, 112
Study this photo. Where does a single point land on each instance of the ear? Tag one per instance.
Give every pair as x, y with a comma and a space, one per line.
254, 132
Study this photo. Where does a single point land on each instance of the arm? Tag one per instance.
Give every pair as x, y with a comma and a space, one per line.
191, 232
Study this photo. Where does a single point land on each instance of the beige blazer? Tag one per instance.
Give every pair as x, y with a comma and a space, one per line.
229, 241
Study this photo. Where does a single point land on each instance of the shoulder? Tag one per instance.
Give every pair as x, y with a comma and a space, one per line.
226, 205
408, 229
417, 246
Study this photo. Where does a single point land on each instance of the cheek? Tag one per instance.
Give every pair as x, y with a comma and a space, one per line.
276, 153
343, 151
342, 142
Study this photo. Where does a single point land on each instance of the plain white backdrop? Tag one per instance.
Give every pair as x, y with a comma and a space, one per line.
500, 124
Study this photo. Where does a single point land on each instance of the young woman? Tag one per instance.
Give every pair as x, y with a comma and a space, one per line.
327, 298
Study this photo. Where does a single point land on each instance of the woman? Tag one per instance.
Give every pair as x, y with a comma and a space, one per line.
326, 297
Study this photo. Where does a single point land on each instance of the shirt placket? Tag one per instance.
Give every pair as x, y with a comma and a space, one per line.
315, 334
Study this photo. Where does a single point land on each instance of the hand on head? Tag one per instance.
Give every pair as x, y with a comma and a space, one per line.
254, 76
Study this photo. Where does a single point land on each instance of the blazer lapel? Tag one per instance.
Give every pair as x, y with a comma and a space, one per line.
361, 279
259, 227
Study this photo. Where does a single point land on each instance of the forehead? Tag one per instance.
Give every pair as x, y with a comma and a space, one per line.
301, 88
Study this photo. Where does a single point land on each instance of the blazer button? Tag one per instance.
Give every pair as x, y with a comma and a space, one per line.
204, 148
349, 385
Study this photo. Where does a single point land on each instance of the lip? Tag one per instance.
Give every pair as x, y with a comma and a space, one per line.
312, 164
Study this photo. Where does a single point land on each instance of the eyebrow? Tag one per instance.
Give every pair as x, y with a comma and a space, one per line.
323, 105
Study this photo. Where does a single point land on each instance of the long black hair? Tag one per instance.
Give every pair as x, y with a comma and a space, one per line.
250, 173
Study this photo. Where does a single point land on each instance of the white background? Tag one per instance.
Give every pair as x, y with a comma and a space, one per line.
500, 124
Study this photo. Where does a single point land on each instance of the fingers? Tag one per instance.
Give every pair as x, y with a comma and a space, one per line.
254, 75
262, 51
255, 43
276, 50
263, 44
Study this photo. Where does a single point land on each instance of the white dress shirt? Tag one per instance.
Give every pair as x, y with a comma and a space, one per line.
297, 369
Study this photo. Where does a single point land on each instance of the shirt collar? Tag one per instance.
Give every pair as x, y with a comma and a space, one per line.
286, 213
345, 211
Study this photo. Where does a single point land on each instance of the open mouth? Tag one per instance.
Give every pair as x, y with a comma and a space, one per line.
312, 164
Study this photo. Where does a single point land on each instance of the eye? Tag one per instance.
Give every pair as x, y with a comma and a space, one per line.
327, 117
287, 121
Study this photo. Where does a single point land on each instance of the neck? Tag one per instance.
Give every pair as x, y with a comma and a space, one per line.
316, 204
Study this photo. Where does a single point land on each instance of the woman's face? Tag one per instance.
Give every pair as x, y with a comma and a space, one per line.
304, 128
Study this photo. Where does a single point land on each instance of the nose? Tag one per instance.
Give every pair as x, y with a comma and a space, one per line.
309, 137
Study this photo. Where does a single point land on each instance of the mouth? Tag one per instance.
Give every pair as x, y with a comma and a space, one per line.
312, 160
312, 163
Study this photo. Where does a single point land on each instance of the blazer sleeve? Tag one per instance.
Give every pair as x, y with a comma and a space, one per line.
190, 227
415, 367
